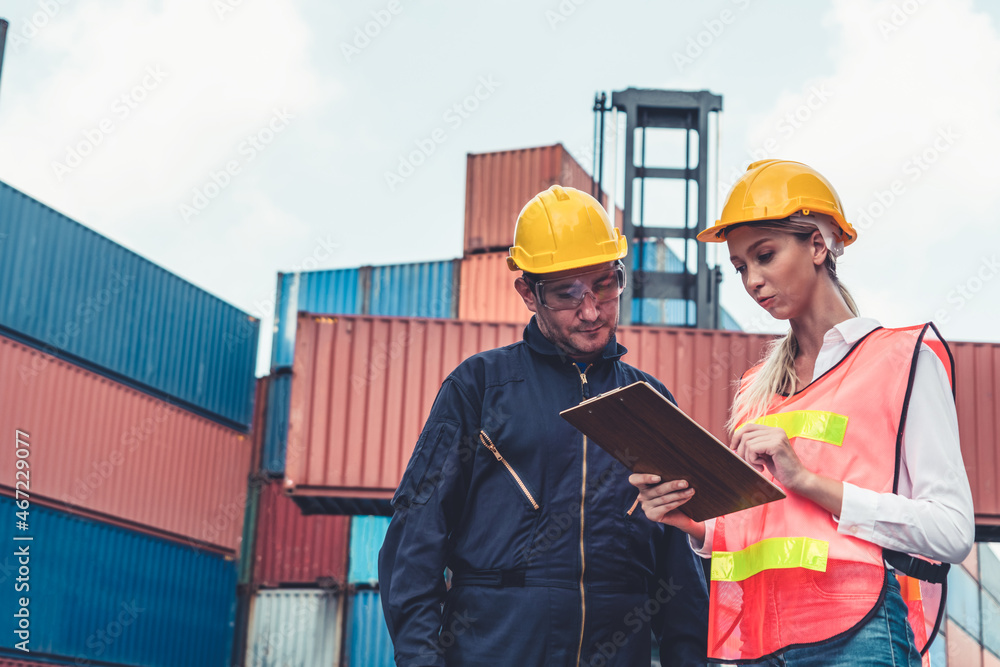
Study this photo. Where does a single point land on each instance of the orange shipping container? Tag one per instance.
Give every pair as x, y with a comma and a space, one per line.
100, 448
499, 184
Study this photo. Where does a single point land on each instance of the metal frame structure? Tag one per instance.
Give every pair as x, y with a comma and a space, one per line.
673, 109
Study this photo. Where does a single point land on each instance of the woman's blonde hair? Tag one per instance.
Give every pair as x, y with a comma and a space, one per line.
777, 374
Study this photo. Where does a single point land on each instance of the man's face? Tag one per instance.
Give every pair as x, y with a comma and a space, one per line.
582, 332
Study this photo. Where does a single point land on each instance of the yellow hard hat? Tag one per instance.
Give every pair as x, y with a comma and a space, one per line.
776, 189
564, 228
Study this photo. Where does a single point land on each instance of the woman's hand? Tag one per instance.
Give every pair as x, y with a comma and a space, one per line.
660, 502
768, 447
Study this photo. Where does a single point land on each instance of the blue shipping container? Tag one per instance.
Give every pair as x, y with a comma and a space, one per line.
279, 396
989, 567
294, 628
963, 601
99, 592
80, 296
336, 292
368, 642
367, 535
657, 256
991, 622
413, 290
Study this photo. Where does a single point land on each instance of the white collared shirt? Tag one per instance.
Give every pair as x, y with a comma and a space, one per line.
932, 513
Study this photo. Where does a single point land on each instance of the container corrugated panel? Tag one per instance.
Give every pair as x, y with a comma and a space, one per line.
296, 549
989, 659
295, 628
487, 290
989, 569
362, 388
977, 376
368, 642
83, 297
698, 366
939, 649
276, 425
335, 291
367, 536
245, 564
425, 289
499, 184
991, 622
99, 592
963, 650
365, 385
103, 447
963, 601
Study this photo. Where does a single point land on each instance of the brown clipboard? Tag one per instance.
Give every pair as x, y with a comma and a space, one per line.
649, 434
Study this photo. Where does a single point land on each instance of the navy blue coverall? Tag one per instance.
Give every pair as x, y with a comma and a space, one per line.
551, 564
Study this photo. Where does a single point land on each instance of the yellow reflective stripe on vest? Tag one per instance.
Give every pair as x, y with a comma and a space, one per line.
826, 427
771, 554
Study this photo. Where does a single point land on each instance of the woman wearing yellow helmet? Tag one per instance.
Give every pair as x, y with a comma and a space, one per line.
857, 424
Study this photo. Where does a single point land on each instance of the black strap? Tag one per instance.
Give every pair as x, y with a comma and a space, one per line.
918, 568
497, 578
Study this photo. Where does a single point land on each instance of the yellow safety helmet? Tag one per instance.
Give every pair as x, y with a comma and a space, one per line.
564, 228
774, 190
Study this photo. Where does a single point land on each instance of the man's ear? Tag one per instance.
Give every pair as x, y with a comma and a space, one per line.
526, 294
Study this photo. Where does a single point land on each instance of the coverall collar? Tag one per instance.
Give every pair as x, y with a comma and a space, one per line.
537, 341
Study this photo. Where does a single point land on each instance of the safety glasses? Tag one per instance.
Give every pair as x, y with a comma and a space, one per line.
568, 293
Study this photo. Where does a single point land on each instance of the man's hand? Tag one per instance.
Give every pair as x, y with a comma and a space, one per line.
660, 501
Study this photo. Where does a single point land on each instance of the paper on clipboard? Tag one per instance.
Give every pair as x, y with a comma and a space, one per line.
649, 434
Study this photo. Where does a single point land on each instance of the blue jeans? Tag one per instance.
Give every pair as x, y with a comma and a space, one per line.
886, 640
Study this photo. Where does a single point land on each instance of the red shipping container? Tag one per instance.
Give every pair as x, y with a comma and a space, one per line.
362, 388
486, 293
963, 650
499, 184
101, 448
294, 549
977, 376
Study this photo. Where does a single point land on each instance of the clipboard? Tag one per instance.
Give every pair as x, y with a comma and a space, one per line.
649, 434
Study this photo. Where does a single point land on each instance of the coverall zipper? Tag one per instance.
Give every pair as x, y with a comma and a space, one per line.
583, 497
485, 439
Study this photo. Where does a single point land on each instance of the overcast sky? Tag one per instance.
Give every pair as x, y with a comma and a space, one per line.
126, 116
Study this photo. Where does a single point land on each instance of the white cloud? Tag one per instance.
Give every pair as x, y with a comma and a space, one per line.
217, 79
906, 128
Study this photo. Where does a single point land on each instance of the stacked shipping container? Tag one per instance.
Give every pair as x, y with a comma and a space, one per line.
131, 391
971, 635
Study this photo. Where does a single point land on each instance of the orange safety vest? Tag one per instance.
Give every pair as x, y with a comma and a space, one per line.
782, 576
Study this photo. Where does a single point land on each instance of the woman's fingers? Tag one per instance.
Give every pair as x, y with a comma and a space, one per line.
643, 480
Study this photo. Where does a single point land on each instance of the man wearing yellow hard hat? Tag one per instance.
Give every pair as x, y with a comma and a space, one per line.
552, 562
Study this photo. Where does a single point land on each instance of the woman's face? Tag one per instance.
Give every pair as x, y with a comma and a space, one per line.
777, 269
